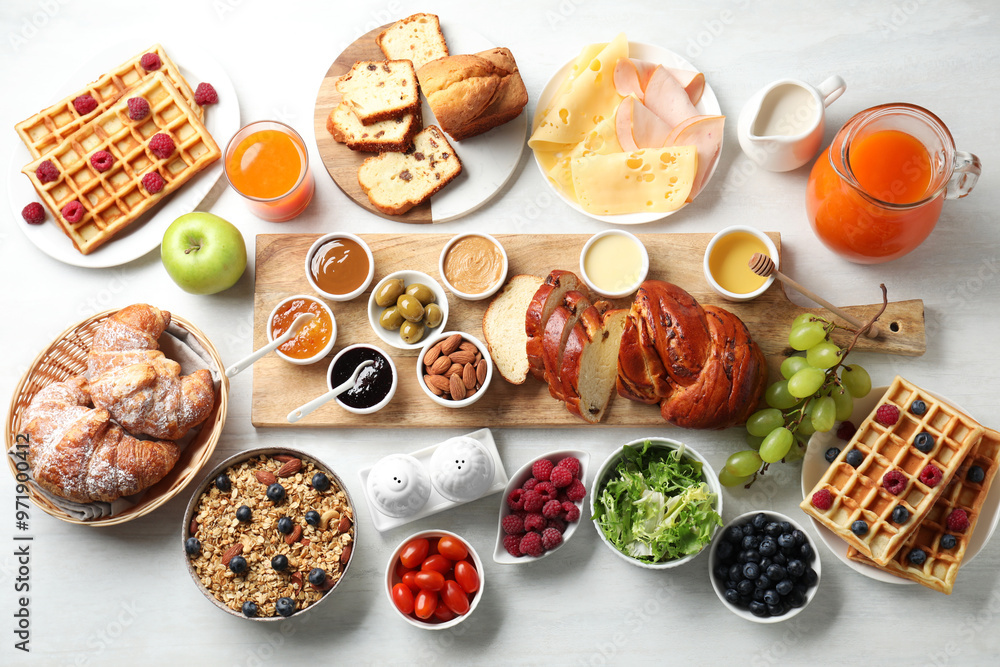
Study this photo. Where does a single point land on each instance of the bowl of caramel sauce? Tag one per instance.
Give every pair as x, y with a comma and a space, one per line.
339, 266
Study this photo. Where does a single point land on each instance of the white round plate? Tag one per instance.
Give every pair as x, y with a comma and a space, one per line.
222, 120
814, 465
708, 105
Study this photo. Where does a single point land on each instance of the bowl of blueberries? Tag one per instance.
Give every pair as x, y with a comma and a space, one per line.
763, 567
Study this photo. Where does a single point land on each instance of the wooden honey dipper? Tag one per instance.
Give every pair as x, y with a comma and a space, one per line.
763, 266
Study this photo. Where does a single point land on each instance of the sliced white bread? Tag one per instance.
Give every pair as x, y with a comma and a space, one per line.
557, 329
394, 134
396, 182
590, 362
380, 89
417, 38
548, 297
503, 327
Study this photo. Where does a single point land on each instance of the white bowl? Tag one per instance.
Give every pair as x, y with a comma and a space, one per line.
643, 267
468, 400
349, 295
607, 468
392, 389
720, 591
391, 580
319, 355
772, 252
408, 277
517, 480
466, 295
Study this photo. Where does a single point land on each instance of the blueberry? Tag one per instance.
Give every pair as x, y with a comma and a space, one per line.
900, 514
786, 540
732, 597
285, 525
948, 541
798, 536
916, 556
854, 458
780, 559
831, 454
776, 572
765, 563
758, 609
223, 484
745, 587
924, 442
763, 582
735, 572
734, 534
243, 514
276, 492
759, 520
771, 597
721, 572
859, 527
238, 565
784, 587
795, 599
742, 557
806, 552
773, 529
192, 546
768, 547
758, 595
280, 563
811, 577
313, 519
750, 542
776, 609
918, 407
753, 556
975, 475
285, 606
796, 568
320, 482
249, 609
317, 576
751, 570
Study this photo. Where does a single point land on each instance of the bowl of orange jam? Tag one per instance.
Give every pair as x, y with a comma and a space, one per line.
727, 262
339, 266
314, 340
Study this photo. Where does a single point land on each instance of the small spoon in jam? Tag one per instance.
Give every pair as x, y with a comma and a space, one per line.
245, 363
304, 410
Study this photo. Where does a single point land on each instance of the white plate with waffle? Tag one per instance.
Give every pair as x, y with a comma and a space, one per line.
222, 120
814, 465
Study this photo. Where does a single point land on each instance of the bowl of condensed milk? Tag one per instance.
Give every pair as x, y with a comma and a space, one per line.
473, 266
614, 263
339, 266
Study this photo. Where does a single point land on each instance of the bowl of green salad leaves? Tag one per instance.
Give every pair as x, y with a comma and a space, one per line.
656, 503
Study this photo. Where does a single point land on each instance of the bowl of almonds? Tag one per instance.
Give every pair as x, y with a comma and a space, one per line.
269, 534
454, 369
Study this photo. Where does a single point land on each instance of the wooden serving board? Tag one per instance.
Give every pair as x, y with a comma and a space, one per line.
279, 387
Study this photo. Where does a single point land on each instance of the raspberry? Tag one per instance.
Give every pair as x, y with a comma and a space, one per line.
957, 521
205, 94
535, 521
33, 213
533, 501
84, 104
46, 172
558, 524
573, 464
822, 499
931, 475
153, 182
547, 490
552, 509
551, 538
102, 160
73, 211
150, 62
161, 145
512, 543
570, 512
515, 500
530, 484
512, 524
576, 491
894, 482
138, 108
561, 477
531, 545
887, 414
541, 469
846, 430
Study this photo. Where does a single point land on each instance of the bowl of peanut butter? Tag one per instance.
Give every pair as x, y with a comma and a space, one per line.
473, 266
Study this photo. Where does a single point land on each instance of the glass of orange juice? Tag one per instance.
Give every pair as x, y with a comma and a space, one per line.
268, 164
877, 192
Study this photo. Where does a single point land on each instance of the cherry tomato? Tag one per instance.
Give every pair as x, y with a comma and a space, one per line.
452, 549
410, 580
414, 553
453, 596
401, 570
436, 562
429, 580
402, 597
466, 576
425, 604
443, 614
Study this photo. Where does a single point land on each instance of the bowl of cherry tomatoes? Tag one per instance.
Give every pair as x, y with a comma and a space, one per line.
434, 579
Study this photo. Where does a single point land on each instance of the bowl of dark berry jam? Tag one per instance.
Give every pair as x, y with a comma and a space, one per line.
374, 387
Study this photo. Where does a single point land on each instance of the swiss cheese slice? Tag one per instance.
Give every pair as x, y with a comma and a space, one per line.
646, 181
601, 140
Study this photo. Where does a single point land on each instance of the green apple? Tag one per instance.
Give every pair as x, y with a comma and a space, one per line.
203, 253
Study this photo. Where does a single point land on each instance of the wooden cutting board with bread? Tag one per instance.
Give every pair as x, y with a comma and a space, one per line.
279, 387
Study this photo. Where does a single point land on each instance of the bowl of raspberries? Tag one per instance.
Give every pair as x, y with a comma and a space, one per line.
541, 506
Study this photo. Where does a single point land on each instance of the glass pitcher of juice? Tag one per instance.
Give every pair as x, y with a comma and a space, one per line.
876, 194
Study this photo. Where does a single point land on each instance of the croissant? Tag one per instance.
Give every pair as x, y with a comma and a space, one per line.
142, 389
77, 453
699, 363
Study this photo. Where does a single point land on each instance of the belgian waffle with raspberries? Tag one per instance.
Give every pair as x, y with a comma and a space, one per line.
907, 463
934, 553
102, 177
46, 129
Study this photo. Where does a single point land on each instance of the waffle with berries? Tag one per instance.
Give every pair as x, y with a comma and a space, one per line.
906, 463
934, 553
102, 177
46, 129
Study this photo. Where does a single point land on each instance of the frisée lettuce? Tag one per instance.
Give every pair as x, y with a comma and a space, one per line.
656, 505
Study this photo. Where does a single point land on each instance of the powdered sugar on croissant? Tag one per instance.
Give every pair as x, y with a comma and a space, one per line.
142, 389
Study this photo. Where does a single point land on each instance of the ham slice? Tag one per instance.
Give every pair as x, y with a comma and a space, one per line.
631, 76
693, 82
666, 97
636, 127
705, 134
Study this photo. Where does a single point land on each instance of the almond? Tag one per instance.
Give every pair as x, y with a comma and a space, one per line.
344, 525
469, 376
451, 343
432, 354
265, 477
345, 555
456, 369
457, 387
439, 382
193, 528
462, 357
306, 542
231, 553
468, 347
284, 458
481, 371
290, 468
440, 365
296, 578
294, 536
430, 385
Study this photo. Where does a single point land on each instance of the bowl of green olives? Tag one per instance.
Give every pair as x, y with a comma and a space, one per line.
405, 307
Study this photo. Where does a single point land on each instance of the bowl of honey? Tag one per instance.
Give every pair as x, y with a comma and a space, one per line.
339, 266
727, 262
314, 340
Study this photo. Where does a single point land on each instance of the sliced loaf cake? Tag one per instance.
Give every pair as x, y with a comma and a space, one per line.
417, 38
380, 89
394, 134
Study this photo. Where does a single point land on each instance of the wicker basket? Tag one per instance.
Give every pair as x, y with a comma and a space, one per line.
66, 357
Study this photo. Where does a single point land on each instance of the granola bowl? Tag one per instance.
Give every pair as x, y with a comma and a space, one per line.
266, 553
